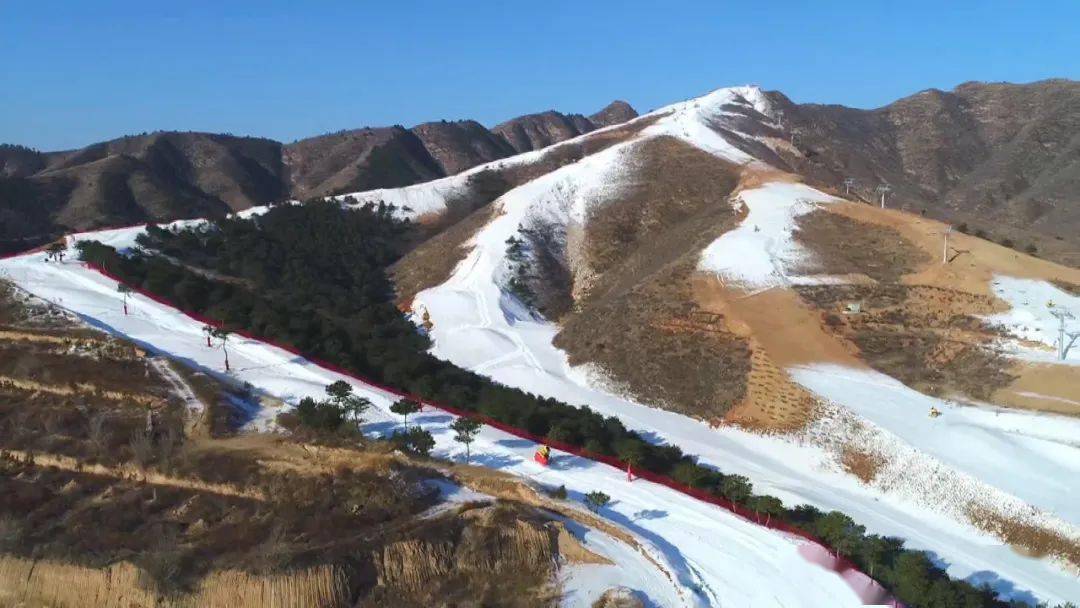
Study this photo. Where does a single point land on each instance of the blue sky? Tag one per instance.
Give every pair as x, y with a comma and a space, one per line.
77, 72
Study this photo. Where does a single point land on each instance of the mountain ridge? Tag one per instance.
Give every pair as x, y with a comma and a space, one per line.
999, 158
176, 174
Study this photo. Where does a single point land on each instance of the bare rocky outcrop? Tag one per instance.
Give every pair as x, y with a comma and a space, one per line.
535, 131
461, 144
168, 175
614, 113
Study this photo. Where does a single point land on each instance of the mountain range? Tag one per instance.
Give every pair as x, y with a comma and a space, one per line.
168, 174
706, 275
1002, 160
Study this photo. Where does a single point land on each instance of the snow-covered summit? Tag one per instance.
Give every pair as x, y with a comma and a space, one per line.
714, 122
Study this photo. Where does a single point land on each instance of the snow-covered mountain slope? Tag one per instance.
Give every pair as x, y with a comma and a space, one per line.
688, 286
691, 553
975, 458
696, 120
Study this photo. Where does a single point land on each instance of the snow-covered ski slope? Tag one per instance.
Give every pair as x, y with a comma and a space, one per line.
702, 554
1032, 304
1013, 465
479, 326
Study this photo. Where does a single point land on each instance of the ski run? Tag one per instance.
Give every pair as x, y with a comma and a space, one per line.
695, 554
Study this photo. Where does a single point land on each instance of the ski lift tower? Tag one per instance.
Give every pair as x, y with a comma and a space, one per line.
883, 188
848, 183
1061, 315
945, 247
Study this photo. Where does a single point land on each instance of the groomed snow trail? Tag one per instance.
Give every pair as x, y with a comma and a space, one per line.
479, 326
710, 556
1029, 318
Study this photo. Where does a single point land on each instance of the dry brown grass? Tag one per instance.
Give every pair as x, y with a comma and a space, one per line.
501, 554
26, 582
863, 465
1031, 539
927, 337
79, 388
105, 369
843, 246
1067, 287
133, 472
635, 315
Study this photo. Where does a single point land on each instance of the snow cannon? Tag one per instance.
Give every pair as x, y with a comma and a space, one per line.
542, 455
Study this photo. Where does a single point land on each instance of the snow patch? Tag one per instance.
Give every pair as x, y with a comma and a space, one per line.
755, 254
1029, 317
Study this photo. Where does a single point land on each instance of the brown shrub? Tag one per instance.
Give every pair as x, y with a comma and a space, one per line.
861, 464
842, 245
1035, 540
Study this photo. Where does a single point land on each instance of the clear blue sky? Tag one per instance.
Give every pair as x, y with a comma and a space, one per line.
79, 71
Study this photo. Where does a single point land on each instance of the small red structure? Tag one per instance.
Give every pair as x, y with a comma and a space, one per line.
542, 455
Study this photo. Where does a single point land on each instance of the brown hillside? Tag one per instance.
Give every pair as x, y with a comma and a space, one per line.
998, 157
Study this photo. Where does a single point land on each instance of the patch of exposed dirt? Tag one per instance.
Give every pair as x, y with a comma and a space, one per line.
842, 245
1042, 387
1069, 288
781, 332
773, 403
973, 262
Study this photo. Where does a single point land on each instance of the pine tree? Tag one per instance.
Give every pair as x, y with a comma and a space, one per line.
596, 500
55, 251
222, 334
352, 406
404, 407
465, 430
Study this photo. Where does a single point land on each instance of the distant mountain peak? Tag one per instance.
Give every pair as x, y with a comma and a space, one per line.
614, 113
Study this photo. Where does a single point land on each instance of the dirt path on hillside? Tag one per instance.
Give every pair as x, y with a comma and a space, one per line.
80, 388
132, 473
786, 328
782, 332
1042, 387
